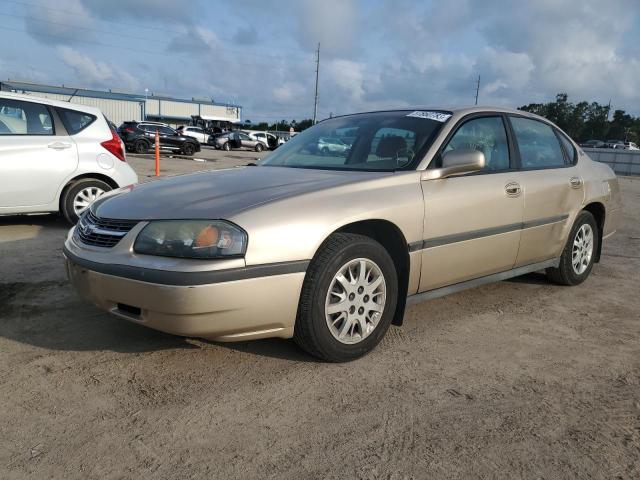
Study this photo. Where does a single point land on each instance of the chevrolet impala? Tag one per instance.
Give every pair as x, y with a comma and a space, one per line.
328, 248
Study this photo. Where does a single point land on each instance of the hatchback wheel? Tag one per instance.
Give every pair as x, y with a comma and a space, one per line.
579, 253
348, 298
79, 195
259, 147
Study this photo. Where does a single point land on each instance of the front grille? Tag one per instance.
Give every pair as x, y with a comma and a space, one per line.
102, 232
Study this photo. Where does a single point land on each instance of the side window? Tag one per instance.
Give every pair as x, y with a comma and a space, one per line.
538, 144
24, 118
75, 121
166, 131
244, 137
569, 149
486, 135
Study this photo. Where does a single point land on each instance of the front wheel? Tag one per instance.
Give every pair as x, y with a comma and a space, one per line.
188, 149
79, 195
226, 147
348, 298
259, 147
578, 255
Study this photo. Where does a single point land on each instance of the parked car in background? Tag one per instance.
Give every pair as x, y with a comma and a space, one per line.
328, 249
616, 144
269, 140
593, 144
194, 132
236, 140
631, 146
57, 156
139, 137
331, 145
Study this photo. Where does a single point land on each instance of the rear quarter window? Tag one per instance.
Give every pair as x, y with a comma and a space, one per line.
75, 121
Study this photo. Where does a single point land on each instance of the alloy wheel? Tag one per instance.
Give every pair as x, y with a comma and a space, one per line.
355, 300
582, 249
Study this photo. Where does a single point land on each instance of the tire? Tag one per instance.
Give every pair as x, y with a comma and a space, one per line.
188, 149
226, 147
259, 147
312, 331
81, 190
141, 147
325, 151
567, 273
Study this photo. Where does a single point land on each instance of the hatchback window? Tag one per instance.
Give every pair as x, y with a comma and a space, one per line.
75, 121
486, 135
24, 118
538, 144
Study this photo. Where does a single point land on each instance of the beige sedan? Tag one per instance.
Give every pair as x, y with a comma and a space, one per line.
329, 248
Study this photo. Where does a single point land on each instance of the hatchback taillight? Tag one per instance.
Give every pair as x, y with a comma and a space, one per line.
114, 146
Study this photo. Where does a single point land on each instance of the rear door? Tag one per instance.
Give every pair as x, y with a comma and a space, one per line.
36, 155
169, 137
472, 222
552, 186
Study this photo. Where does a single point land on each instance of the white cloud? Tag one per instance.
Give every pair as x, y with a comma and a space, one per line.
94, 73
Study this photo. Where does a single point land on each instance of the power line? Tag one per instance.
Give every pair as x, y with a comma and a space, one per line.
135, 49
137, 26
135, 37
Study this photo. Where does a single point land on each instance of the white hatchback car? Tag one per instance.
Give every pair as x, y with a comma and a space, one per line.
57, 156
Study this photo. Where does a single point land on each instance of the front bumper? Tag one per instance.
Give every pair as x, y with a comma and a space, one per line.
235, 310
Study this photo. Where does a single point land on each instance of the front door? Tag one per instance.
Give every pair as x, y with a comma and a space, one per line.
35, 159
552, 186
472, 222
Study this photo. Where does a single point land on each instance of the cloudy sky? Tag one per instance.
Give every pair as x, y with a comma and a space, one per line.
374, 53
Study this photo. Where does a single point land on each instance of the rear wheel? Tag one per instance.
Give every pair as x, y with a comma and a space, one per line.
578, 255
79, 195
348, 298
140, 146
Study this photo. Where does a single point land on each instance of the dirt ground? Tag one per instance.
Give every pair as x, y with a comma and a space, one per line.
520, 379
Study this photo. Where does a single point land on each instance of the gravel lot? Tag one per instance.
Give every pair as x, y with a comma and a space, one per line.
520, 379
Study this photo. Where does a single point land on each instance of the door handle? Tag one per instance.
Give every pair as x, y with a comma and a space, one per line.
513, 189
59, 145
575, 182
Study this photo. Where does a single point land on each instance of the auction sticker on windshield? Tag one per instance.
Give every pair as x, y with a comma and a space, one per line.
437, 116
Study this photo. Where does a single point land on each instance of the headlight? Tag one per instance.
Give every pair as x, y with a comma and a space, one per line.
191, 239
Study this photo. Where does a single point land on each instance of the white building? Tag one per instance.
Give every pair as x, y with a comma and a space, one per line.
120, 107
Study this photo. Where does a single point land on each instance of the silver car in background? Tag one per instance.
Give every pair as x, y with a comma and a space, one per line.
57, 156
329, 248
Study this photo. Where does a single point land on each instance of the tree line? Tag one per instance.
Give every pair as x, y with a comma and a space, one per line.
582, 121
588, 121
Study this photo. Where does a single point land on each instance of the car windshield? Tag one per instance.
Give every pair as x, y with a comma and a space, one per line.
381, 141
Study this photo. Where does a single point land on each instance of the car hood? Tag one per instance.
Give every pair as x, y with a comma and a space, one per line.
219, 194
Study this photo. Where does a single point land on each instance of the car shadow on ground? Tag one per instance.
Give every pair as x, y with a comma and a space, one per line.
271, 347
535, 278
50, 315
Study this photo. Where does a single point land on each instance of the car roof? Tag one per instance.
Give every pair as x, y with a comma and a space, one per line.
53, 103
458, 111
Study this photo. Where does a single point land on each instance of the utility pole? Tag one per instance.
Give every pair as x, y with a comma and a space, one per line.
315, 103
477, 89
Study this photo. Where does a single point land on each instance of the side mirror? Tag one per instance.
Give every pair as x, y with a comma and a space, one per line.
457, 162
